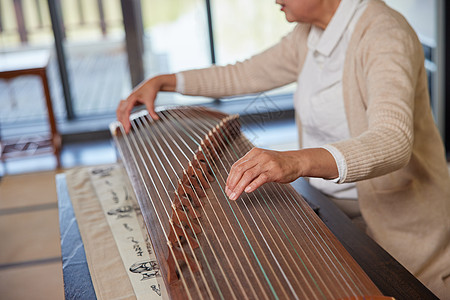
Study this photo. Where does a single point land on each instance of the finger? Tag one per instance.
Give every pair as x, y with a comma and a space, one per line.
245, 180
237, 170
122, 115
126, 118
249, 160
151, 110
259, 181
131, 102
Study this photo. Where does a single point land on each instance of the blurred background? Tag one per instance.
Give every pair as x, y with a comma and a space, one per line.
100, 49
93, 52
165, 36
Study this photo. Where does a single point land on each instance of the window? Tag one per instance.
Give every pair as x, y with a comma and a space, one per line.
245, 28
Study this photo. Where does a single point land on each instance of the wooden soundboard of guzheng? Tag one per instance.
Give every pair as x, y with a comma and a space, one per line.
268, 244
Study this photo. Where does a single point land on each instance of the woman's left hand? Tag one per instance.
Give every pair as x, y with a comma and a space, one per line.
259, 166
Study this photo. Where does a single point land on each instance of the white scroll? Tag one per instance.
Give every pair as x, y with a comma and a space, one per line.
121, 212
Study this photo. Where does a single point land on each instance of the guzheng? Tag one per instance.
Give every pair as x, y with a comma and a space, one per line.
268, 244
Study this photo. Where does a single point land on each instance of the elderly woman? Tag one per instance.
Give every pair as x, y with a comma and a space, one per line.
367, 132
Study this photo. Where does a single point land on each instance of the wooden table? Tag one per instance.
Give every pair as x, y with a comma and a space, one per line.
30, 63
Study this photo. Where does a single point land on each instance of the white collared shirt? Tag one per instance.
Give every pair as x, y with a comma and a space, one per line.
319, 99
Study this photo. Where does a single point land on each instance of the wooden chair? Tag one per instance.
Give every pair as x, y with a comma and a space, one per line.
31, 63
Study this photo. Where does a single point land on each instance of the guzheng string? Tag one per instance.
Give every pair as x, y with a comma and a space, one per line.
269, 198
273, 227
261, 218
167, 193
182, 120
245, 234
162, 116
315, 227
321, 234
253, 219
208, 218
215, 195
248, 146
188, 293
301, 275
200, 223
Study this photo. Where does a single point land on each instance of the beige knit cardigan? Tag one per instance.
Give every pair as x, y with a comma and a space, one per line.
395, 153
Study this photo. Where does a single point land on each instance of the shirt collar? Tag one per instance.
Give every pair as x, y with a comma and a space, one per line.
324, 41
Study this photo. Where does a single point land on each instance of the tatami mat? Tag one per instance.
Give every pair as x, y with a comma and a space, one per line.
30, 236
30, 248
41, 281
30, 251
34, 189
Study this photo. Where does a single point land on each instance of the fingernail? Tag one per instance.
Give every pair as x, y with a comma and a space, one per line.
248, 189
233, 196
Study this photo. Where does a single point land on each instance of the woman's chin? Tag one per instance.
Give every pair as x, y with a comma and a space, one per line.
290, 19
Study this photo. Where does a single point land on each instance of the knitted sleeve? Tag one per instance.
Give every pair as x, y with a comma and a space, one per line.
390, 60
275, 67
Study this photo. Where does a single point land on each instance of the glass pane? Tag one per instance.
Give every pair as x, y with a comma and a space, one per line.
96, 55
175, 39
244, 28
421, 14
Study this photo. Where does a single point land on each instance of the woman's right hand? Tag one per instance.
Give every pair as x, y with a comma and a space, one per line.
145, 93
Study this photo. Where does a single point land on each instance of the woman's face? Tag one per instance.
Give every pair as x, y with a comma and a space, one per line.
308, 11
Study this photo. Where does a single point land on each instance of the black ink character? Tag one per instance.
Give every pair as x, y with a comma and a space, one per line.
136, 246
103, 172
157, 290
131, 238
127, 227
127, 195
115, 197
148, 269
121, 212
